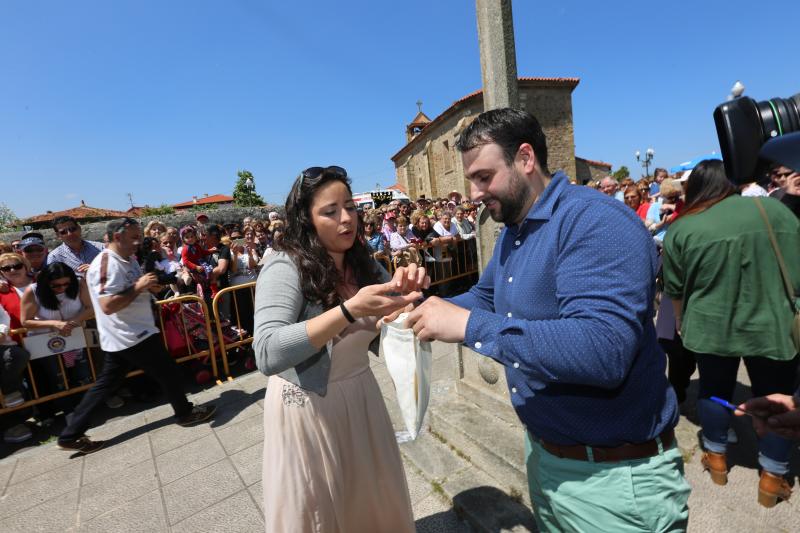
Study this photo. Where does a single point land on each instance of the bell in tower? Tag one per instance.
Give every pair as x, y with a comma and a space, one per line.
417, 125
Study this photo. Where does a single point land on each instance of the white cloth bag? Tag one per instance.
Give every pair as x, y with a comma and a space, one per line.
409, 363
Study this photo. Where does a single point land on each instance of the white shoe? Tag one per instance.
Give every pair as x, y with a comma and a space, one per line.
13, 399
733, 438
18, 433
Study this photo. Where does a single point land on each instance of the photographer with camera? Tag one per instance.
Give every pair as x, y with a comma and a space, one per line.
122, 301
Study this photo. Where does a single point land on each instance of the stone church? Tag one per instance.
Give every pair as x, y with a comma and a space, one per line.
430, 165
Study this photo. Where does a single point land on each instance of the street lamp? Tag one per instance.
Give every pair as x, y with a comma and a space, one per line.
646, 160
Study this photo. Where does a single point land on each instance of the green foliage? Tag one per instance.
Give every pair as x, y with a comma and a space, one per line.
244, 196
8, 220
621, 173
163, 209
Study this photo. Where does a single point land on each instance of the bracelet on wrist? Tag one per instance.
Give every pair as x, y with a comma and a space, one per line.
346, 313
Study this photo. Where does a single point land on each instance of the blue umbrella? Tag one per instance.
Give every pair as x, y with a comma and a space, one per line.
689, 165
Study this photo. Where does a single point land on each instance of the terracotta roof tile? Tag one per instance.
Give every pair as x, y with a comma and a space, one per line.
595, 163
82, 212
213, 199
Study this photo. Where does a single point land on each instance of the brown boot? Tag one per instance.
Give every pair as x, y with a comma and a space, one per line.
771, 487
717, 466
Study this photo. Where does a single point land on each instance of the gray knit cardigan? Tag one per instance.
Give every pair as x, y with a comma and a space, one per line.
280, 339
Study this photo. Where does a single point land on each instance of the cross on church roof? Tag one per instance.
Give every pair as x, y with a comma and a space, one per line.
419, 105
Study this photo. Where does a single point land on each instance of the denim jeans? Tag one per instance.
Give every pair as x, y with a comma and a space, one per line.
718, 378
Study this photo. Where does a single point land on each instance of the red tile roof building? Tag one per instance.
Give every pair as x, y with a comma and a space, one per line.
82, 213
214, 199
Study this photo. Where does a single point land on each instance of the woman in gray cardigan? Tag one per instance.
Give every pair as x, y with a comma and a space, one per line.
331, 462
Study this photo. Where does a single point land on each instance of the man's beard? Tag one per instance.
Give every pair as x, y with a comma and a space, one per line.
513, 201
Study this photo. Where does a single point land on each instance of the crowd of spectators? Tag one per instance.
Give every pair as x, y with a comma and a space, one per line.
43, 289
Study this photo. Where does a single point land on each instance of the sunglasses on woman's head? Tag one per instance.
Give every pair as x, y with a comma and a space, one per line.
9, 268
315, 172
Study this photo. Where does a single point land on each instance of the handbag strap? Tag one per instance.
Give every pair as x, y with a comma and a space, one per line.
787, 283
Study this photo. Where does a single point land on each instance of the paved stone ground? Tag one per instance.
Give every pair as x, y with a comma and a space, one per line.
156, 476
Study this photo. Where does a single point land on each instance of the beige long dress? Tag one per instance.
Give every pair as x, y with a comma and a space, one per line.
331, 464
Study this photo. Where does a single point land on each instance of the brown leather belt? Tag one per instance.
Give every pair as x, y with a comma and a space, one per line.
625, 452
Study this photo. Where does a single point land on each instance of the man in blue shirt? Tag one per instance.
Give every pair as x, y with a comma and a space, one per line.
566, 305
74, 250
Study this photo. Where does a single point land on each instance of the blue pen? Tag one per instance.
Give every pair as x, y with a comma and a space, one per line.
729, 405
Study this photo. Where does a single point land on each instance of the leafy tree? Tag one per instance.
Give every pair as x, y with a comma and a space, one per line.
244, 192
621, 173
7, 217
163, 209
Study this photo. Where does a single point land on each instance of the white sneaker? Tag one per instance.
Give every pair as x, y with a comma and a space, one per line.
13, 399
733, 438
18, 433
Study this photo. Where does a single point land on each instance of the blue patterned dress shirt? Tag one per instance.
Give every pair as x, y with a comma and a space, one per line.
566, 306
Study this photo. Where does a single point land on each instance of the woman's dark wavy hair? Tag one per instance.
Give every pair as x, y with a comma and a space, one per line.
707, 186
47, 298
319, 277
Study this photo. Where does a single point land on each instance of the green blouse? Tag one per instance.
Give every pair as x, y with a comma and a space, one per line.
720, 264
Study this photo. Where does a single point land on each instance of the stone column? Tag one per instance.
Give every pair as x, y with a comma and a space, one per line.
481, 379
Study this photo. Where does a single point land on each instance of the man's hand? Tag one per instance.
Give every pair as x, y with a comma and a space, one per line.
146, 282
793, 184
778, 413
439, 320
83, 268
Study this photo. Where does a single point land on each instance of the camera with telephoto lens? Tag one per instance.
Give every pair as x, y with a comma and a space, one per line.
744, 125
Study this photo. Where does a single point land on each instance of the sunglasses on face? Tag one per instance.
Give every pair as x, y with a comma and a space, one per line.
781, 174
315, 172
631, 197
71, 229
56, 286
33, 250
9, 268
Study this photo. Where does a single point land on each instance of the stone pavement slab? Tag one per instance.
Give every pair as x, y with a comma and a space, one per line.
156, 476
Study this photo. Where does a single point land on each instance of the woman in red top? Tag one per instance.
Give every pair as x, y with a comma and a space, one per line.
633, 199
16, 270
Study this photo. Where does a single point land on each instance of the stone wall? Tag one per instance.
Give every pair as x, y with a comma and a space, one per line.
223, 215
586, 171
434, 168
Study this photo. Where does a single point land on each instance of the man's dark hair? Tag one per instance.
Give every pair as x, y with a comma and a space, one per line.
64, 220
509, 128
214, 230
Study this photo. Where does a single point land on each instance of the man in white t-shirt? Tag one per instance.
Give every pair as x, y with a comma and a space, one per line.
121, 297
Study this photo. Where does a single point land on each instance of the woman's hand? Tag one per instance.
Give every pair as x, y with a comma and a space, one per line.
410, 278
64, 328
374, 300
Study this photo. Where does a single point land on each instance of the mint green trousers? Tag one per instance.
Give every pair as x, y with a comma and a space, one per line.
641, 495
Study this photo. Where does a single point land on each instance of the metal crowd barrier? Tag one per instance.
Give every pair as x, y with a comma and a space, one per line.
444, 263
91, 348
237, 301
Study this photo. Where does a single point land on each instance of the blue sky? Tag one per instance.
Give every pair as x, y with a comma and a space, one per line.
165, 100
